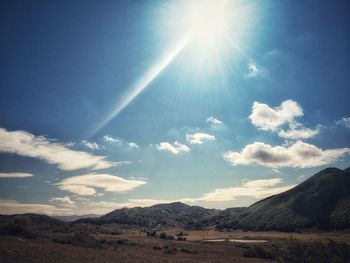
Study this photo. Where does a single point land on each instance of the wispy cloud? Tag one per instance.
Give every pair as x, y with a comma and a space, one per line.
345, 121
64, 200
268, 118
297, 155
90, 145
109, 138
199, 138
15, 175
26, 144
10, 207
214, 122
255, 188
174, 148
86, 184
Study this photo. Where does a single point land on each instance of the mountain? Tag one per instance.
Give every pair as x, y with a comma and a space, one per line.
25, 224
75, 217
322, 201
162, 215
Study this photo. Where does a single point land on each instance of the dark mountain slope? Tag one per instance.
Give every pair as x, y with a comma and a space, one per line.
162, 215
322, 202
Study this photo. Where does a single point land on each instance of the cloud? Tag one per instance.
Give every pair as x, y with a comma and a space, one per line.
175, 148
304, 133
297, 155
253, 70
109, 138
214, 122
10, 207
345, 121
15, 175
64, 200
86, 184
91, 145
25, 144
199, 138
268, 118
133, 145
256, 188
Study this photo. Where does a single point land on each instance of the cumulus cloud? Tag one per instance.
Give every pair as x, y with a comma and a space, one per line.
108, 138
199, 138
268, 118
86, 184
133, 145
26, 144
91, 145
297, 155
15, 175
214, 122
64, 200
175, 148
345, 121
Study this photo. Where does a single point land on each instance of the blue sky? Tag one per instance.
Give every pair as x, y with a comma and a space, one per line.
132, 103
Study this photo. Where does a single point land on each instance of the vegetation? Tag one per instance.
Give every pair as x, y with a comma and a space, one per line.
294, 251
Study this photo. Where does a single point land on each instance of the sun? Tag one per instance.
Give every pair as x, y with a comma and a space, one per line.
207, 20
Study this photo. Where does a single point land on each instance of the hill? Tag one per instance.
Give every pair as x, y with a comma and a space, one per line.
174, 214
322, 201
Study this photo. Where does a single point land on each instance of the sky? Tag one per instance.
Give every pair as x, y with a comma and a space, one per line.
110, 104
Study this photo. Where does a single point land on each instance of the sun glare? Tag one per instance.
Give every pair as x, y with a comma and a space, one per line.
207, 21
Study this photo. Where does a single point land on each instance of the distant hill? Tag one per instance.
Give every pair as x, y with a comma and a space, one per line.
74, 217
26, 224
162, 215
322, 201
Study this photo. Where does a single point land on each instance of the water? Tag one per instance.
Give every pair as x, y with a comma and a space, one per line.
238, 240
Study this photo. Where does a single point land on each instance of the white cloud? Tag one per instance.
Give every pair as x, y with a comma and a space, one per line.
297, 155
175, 148
15, 175
109, 138
91, 145
10, 207
214, 122
304, 133
86, 184
345, 121
26, 144
133, 145
256, 188
268, 118
199, 138
253, 70
64, 200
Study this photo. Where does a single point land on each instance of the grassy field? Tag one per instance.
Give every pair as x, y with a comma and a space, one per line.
137, 246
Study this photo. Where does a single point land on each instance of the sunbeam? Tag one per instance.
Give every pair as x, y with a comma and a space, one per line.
208, 28
144, 82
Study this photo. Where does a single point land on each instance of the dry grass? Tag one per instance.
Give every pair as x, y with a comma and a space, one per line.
136, 246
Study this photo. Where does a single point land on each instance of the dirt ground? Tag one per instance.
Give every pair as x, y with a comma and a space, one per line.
134, 246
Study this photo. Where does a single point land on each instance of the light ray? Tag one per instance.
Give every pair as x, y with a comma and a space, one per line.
144, 82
